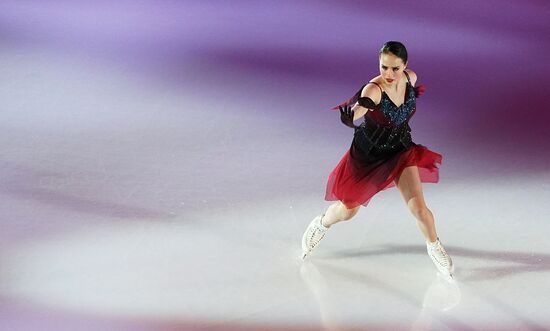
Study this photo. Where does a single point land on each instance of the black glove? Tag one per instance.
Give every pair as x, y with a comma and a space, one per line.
346, 116
366, 102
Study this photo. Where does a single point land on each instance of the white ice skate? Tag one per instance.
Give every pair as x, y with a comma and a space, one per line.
440, 258
314, 233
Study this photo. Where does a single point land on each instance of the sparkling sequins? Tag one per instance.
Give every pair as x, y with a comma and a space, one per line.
398, 115
394, 135
381, 137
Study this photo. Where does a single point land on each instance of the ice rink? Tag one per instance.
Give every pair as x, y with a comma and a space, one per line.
160, 162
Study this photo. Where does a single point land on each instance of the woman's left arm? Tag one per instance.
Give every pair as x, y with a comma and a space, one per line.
418, 90
412, 76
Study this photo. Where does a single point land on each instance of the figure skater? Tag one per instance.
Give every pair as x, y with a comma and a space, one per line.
382, 155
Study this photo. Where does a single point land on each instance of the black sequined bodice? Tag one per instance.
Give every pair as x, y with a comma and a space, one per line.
398, 115
385, 129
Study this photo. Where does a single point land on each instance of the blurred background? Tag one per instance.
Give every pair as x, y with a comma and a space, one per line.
161, 159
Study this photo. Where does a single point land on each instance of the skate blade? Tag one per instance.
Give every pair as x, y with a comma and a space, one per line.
447, 276
304, 255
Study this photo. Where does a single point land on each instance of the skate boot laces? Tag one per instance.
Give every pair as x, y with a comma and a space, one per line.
439, 256
313, 235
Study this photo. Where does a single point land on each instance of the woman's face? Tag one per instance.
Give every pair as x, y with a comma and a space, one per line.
391, 68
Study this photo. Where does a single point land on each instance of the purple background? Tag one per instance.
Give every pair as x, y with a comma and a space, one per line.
222, 107
484, 63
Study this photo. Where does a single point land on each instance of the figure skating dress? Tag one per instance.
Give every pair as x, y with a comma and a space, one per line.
381, 148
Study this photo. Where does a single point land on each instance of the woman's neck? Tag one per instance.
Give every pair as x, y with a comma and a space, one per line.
392, 87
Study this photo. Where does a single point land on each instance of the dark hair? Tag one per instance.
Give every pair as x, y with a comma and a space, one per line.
396, 48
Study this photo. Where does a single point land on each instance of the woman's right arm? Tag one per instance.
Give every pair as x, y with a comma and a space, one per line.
370, 96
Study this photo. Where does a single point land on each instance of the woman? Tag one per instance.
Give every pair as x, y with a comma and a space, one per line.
382, 155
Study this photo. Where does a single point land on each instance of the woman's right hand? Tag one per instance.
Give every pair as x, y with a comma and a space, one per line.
346, 116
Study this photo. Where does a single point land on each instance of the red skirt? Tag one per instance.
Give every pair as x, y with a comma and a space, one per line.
355, 183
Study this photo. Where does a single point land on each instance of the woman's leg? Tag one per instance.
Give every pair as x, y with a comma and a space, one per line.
410, 187
317, 229
338, 212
